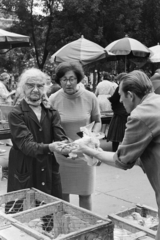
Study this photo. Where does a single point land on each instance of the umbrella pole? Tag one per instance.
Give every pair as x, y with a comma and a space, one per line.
125, 63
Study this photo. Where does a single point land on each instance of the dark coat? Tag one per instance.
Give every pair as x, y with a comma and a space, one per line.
31, 164
118, 122
117, 106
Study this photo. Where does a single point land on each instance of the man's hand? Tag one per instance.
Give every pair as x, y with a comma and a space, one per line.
79, 148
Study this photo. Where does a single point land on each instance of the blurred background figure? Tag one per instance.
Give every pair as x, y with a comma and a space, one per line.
104, 90
155, 79
18, 95
85, 80
118, 122
80, 85
53, 88
5, 99
77, 107
48, 83
5, 93
83, 83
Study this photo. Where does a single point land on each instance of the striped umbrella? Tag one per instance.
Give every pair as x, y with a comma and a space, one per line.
81, 50
155, 55
128, 47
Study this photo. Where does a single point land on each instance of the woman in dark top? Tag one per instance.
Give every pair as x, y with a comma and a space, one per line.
118, 123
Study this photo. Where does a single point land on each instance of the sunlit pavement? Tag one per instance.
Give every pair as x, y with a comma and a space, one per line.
116, 190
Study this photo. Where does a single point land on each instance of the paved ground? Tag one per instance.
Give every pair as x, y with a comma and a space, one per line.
116, 189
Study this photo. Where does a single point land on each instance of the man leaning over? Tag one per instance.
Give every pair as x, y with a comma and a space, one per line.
142, 135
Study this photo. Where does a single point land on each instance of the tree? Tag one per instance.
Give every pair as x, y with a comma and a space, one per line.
150, 22
62, 21
36, 25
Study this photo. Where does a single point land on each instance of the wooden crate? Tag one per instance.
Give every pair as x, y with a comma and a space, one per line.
61, 220
12, 229
124, 220
22, 200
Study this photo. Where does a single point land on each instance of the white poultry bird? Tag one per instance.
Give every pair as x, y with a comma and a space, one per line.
90, 139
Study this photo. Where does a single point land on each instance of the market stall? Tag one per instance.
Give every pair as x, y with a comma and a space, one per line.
4, 125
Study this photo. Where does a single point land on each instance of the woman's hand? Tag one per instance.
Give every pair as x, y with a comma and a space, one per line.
60, 147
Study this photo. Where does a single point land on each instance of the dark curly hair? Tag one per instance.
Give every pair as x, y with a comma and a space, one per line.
64, 67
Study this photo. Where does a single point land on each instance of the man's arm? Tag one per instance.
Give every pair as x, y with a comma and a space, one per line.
105, 157
136, 139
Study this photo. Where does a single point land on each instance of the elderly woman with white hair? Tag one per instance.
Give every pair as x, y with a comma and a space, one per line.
36, 133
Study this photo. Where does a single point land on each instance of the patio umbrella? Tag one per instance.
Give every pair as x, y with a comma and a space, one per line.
81, 50
155, 55
9, 40
129, 48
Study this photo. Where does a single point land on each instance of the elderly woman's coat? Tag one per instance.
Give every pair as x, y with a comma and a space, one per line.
31, 164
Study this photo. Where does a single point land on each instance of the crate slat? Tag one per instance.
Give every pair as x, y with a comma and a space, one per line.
11, 196
92, 219
22, 200
43, 210
123, 223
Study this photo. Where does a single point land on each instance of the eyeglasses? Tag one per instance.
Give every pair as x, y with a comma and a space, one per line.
32, 85
71, 80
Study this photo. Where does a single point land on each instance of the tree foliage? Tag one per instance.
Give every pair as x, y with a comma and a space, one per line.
61, 21
150, 22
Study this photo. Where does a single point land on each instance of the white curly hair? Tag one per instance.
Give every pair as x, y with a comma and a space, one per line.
29, 73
